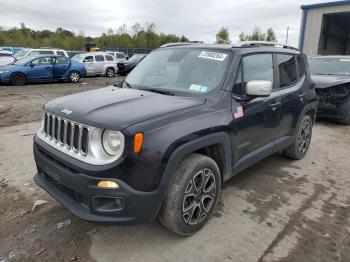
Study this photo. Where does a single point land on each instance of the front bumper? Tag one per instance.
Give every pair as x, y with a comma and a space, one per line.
78, 192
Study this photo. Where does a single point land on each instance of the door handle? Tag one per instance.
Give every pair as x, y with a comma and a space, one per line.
275, 104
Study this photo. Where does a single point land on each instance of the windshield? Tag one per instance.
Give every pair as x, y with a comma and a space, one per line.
329, 66
24, 61
180, 70
77, 57
21, 53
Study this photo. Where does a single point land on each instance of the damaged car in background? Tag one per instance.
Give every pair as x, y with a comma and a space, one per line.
331, 75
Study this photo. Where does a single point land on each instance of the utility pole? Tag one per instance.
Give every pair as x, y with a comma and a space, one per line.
287, 35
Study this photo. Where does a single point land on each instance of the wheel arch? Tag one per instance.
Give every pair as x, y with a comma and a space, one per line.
18, 72
217, 146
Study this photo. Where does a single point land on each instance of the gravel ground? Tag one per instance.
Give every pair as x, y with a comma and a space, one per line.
277, 210
24, 104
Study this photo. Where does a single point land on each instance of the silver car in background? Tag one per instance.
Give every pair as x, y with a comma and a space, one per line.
119, 56
98, 63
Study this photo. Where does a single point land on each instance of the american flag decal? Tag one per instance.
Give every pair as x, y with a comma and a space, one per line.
237, 111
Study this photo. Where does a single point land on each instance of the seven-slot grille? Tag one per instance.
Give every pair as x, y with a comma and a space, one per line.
66, 133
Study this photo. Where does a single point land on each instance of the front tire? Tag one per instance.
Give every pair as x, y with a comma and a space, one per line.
74, 76
18, 79
110, 72
302, 140
192, 196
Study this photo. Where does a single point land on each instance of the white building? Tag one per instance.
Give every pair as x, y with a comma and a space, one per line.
325, 28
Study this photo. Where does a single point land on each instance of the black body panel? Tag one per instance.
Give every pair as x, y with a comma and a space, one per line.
172, 127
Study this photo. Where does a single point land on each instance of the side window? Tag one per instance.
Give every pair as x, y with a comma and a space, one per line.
46, 52
109, 58
60, 53
62, 60
120, 56
88, 59
287, 69
257, 67
301, 65
99, 58
42, 61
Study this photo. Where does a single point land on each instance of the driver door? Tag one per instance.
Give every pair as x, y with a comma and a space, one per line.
89, 65
256, 130
40, 70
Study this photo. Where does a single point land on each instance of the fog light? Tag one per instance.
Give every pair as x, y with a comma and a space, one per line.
108, 184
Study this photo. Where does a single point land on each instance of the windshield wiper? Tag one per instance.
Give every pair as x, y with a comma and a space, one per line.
159, 91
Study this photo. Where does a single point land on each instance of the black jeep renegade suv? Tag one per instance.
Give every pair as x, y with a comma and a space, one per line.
162, 142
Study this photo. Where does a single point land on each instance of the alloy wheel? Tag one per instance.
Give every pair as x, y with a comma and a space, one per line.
74, 77
304, 137
199, 197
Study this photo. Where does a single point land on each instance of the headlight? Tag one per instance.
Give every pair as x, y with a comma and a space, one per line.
113, 142
2, 72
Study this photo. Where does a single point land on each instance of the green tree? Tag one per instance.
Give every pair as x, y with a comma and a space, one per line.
139, 37
258, 35
223, 36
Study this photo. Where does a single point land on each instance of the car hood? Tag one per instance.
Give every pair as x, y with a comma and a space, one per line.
128, 62
117, 108
324, 81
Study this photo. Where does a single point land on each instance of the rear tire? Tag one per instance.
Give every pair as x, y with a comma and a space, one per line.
74, 76
192, 196
110, 72
345, 112
302, 140
18, 79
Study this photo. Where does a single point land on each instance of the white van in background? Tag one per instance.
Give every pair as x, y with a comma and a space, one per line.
119, 56
98, 63
26, 52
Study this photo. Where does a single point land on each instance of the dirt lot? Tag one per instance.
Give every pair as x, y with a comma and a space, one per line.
277, 210
24, 104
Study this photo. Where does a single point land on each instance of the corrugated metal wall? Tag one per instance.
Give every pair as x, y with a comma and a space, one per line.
313, 26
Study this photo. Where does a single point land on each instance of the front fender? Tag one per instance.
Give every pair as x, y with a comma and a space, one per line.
179, 154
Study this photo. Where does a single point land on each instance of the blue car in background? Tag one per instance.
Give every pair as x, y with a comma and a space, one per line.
45, 68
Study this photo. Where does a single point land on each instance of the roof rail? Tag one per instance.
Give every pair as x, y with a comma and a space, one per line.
182, 43
263, 43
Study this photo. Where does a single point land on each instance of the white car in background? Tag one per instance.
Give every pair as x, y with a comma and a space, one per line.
27, 52
98, 63
119, 56
6, 58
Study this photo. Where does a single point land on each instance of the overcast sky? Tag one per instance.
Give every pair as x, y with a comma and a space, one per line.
196, 19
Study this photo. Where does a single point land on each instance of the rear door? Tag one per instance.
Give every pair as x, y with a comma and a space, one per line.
257, 127
60, 66
40, 69
290, 86
99, 64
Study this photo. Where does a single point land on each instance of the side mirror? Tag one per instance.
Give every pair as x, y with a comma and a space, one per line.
31, 65
259, 88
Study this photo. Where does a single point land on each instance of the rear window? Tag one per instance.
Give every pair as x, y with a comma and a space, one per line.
287, 69
109, 58
99, 58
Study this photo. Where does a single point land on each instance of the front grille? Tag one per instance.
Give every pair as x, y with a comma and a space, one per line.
66, 133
